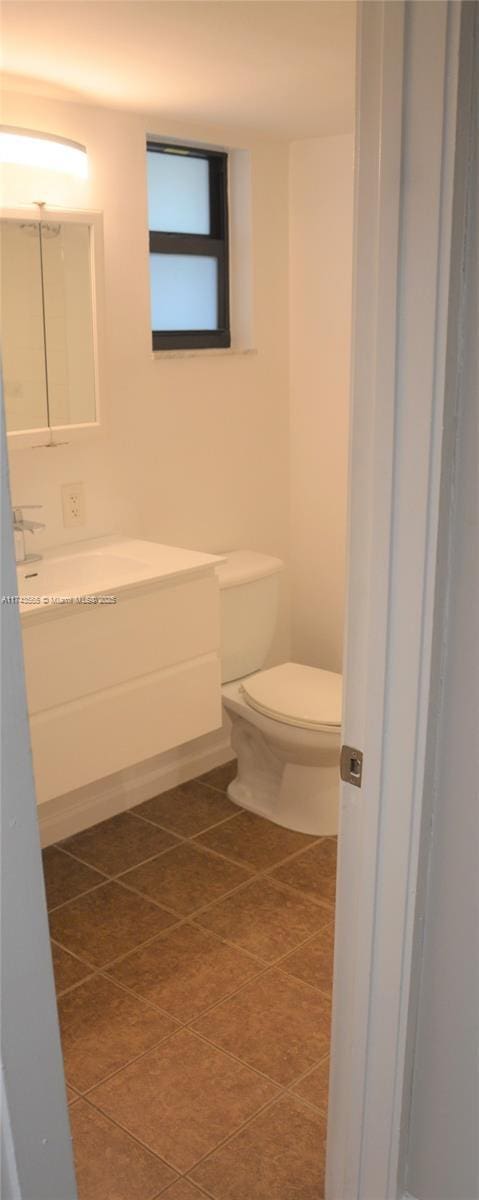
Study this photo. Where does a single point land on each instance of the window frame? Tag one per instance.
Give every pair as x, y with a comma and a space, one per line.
207, 245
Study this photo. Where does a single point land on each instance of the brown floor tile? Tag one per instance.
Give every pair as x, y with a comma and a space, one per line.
221, 776
251, 840
186, 878
187, 809
103, 1028
313, 872
109, 1164
183, 1190
106, 923
315, 1086
314, 962
263, 919
118, 844
66, 878
67, 969
71, 1095
185, 971
279, 1156
277, 1025
183, 1098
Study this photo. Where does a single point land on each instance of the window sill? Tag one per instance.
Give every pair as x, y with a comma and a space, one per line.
211, 352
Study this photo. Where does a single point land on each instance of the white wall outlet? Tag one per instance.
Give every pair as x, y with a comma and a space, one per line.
73, 504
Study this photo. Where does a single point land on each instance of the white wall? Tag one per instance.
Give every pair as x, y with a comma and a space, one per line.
195, 450
321, 221
443, 1153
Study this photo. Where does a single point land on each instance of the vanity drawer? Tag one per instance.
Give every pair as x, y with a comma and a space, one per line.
89, 649
98, 735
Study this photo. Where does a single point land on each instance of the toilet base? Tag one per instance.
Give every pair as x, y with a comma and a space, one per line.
300, 797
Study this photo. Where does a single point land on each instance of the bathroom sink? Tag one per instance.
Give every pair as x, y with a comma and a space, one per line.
121, 643
102, 567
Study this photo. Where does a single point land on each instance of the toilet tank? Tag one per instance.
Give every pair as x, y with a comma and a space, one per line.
249, 599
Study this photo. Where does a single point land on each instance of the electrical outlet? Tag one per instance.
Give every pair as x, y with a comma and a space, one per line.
73, 504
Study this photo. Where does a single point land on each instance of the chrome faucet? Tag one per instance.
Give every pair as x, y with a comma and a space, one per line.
22, 526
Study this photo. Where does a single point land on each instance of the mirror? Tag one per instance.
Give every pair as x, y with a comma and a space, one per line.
23, 352
48, 324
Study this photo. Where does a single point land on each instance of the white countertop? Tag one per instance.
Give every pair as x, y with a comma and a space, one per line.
102, 567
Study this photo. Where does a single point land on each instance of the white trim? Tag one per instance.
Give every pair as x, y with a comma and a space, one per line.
65, 815
408, 64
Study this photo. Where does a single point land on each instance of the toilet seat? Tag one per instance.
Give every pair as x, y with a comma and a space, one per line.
307, 697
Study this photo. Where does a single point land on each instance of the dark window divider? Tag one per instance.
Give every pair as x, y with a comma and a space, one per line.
191, 339
186, 243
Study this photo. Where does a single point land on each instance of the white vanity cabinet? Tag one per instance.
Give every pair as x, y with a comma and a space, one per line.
113, 684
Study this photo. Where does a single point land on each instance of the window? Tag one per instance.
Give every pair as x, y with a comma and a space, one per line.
188, 223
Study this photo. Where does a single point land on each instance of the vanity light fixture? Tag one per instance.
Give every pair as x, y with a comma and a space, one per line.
28, 148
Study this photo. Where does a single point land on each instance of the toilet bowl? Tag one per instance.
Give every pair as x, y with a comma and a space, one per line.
287, 769
285, 721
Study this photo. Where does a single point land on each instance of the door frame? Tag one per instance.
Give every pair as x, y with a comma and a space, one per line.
412, 67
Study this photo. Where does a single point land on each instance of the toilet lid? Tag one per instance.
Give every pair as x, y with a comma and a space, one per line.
297, 695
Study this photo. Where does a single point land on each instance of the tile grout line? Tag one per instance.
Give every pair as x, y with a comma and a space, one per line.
96, 968
187, 1175
188, 1026
189, 919
133, 1136
185, 920
263, 967
241, 1062
54, 942
183, 1174
181, 837
236, 946
231, 1136
193, 839
182, 918
166, 828
200, 1187
291, 1086
168, 1037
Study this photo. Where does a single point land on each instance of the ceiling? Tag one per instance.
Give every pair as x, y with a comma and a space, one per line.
284, 68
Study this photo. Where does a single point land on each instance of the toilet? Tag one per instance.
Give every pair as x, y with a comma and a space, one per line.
286, 721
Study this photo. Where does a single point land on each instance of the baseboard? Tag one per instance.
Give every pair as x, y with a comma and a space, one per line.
65, 815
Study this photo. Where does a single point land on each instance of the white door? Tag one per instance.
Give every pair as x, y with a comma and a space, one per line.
409, 59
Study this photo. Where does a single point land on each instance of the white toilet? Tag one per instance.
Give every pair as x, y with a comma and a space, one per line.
286, 721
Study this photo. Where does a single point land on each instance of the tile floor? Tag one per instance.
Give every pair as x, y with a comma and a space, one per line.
192, 947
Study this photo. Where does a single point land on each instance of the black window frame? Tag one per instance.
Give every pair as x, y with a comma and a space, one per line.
212, 245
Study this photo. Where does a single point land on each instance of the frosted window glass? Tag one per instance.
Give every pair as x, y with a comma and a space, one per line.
178, 193
184, 291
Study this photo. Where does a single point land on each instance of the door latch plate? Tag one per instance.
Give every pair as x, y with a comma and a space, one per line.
351, 765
